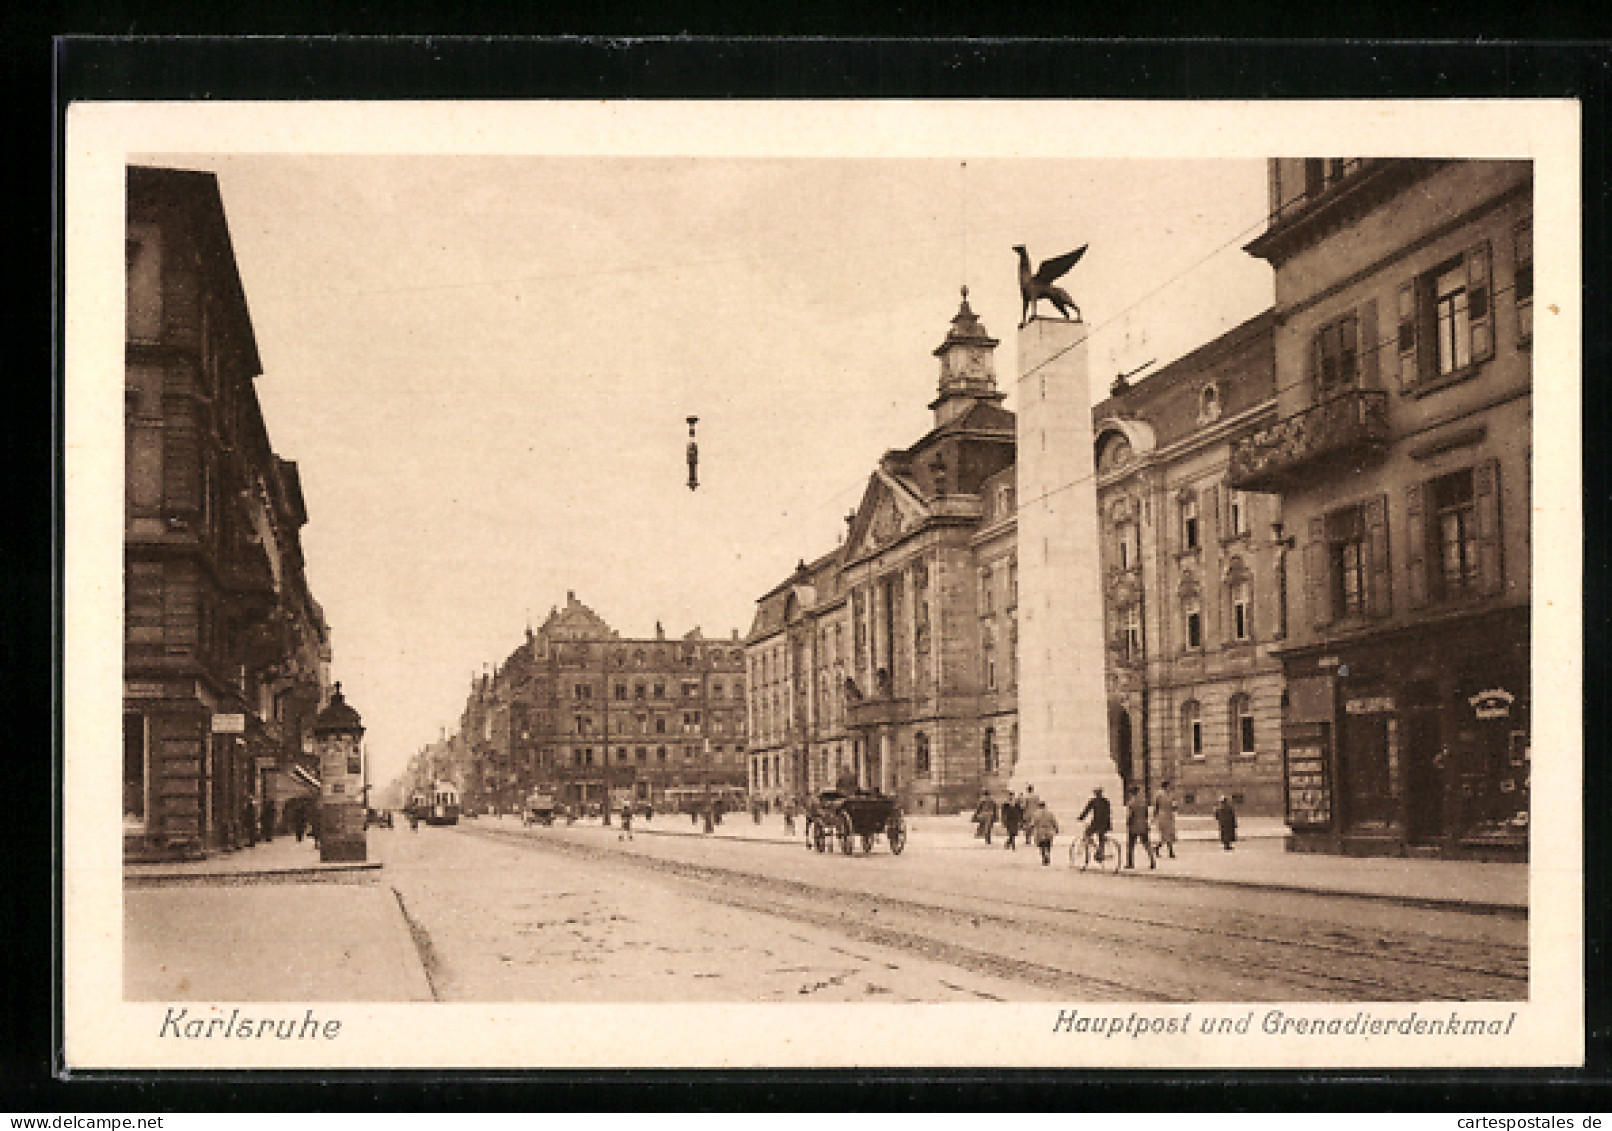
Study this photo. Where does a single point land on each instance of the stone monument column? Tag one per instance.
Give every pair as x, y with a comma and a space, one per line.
1063, 708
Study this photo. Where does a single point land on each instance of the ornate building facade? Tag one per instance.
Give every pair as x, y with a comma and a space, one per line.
866, 666
1402, 449
226, 653
1193, 572
584, 713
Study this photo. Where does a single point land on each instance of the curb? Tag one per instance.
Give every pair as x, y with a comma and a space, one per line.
364, 873
1426, 902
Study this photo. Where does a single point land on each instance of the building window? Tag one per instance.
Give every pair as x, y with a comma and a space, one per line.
638, 691
621, 691
1192, 729
716, 691
1189, 522
1128, 544
1337, 357
688, 753
989, 750
660, 691
660, 754
641, 755
1209, 404
621, 753
1192, 612
135, 770
1242, 610
1524, 289
1236, 514
990, 672
1346, 550
1013, 583
1242, 724
587, 755
1133, 633
1446, 324
987, 594
920, 753
691, 689
1456, 522
660, 724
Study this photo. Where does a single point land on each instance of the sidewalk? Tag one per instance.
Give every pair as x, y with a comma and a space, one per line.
267, 923
1259, 860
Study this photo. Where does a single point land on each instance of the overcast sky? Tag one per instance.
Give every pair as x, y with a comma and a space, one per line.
482, 366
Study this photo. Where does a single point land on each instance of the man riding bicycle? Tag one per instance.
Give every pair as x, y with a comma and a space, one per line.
1097, 808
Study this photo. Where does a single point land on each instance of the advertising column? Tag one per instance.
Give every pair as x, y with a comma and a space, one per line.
338, 735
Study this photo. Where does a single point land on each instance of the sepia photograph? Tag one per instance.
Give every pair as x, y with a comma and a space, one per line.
821, 584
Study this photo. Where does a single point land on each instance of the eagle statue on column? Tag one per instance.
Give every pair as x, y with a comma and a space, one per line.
1040, 284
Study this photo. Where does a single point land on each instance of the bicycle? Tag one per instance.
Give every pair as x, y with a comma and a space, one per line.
1083, 853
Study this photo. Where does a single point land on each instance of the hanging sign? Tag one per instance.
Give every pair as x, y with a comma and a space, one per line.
229, 724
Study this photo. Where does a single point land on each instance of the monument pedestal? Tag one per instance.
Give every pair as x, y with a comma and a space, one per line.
1063, 709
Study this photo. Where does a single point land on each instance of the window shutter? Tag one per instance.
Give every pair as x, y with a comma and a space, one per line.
1407, 336
1416, 545
1368, 346
1378, 601
1479, 307
1318, 574
1214, 494
1486, 492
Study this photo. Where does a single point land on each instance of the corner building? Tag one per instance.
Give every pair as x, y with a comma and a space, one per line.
1402, 450
225, 652
584, 713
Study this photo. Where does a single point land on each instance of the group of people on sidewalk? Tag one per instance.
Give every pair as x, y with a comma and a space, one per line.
1040, 825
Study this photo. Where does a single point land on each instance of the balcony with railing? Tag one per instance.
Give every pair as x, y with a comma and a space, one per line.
1347, 431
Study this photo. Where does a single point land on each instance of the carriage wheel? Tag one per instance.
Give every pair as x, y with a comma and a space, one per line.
867, 842
819, 836
847, 841
898, 837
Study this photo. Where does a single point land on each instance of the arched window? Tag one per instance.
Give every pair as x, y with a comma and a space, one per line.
1209, 404
989, 750
1241, 712
1192, 729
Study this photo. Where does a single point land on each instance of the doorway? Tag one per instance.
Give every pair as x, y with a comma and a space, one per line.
1423, 751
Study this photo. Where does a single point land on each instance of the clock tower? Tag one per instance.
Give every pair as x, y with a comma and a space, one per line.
967, 367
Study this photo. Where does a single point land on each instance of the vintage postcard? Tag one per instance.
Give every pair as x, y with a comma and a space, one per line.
825, 584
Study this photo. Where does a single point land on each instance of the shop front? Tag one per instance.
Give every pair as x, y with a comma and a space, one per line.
1414, 742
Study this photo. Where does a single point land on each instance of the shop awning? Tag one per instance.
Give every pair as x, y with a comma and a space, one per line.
293, 783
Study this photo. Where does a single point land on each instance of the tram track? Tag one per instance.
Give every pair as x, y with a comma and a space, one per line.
1248, 955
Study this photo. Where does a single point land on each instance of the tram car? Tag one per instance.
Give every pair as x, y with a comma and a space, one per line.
443, 804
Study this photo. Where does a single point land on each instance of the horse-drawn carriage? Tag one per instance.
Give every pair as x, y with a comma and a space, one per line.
842, 819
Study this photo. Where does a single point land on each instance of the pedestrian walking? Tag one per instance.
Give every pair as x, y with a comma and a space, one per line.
1012, 818
268, 819
789, 816
985, 816
1226, 818
1043, 828
299, 818
626, 822
248, 830
1164, 818
1136, 828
